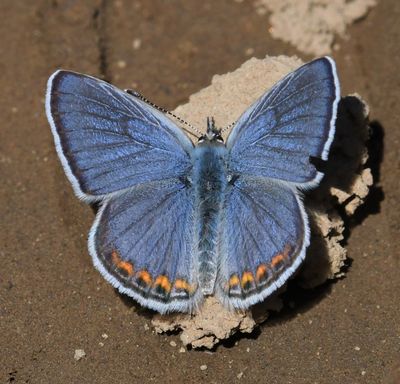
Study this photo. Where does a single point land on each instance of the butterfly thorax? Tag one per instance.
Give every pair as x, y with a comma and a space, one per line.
210, 181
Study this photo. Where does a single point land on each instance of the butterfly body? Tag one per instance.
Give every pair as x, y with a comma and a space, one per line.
210, 176
179, 221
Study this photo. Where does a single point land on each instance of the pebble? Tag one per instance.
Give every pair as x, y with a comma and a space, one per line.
79, 354
121, 64
249, 51
203, 367
357, 348
239, 375
182, 350
104, 336
172, 343
136, 44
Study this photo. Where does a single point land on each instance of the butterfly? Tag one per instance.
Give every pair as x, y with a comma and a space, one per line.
179, 221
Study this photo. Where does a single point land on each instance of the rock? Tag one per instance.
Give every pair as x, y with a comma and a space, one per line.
79, 354
311, 25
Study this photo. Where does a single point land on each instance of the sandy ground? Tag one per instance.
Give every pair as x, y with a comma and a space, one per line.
52, 300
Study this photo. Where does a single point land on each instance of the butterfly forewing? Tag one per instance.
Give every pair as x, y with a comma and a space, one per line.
292, 122
109, 140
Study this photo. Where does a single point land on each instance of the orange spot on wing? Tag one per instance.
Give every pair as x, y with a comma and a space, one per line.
234, 281
281, 256
144, 276
247, 278
261, 272
127, 267
163, 282
277, 259
183, 285
119, 263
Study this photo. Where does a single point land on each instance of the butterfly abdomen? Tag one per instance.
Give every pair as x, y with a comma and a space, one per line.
209, 179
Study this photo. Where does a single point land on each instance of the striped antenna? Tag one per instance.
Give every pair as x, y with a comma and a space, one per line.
161, 109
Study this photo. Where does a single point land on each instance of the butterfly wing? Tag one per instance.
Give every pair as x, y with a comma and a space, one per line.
108, 140
292, 122
119, 150
265, 229
264, 238
142, 242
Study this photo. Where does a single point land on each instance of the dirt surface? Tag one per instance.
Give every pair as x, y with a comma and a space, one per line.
53, 303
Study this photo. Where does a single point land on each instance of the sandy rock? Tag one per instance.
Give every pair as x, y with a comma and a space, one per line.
205, 329
344, 187
311, 25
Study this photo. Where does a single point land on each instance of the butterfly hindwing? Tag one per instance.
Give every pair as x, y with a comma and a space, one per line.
292, 122
143, 243
109, 140
264, 237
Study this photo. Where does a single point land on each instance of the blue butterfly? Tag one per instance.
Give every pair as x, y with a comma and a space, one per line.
180, 221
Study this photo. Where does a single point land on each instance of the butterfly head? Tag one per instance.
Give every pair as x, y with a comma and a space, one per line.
213, 134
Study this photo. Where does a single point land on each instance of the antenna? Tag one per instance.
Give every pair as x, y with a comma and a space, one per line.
228, 127
161, 109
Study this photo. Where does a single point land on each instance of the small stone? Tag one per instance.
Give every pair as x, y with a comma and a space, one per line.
79, 354
101, 344
146, 327
182, 350
247, 349
104, 336
357, 348
172, 343
121, 64
136, 44
363, 373
203, 367
239, 375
